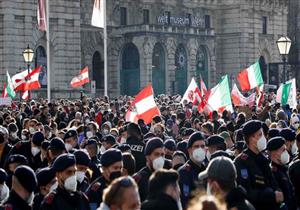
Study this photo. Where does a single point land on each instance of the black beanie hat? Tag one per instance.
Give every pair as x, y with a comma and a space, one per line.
153, 144
26, 178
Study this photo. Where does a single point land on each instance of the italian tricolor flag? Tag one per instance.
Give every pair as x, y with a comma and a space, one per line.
9, 86
250, 78
286, 94
220, 97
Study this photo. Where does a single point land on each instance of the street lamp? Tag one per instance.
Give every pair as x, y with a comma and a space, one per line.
28, 55
284, 45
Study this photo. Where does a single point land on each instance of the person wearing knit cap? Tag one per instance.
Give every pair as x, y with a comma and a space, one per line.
170, 148
111, 165
280, 159
24, 183
4, 190
46, 183
108, 141
188, 173
215, 143
71, 140
290, 140
253, 169
155, 156
273, 132
65, 196
82, 164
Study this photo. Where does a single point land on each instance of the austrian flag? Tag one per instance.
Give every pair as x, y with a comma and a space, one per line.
143, 106
81, 79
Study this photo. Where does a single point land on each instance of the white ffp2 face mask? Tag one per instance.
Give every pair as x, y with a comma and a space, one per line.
71, 183
68, 147
80, 176
199, 155
285, 157
4, 193
35, 151
294, 149
53, 187
261, 144
89, 134
158, 163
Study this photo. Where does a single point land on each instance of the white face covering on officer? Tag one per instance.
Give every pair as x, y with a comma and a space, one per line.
261, 143
80, 176
4, 193
199, 155
70, 183
158, 163
285, 157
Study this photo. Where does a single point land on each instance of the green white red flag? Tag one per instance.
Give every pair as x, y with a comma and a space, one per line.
251, 77
287, 94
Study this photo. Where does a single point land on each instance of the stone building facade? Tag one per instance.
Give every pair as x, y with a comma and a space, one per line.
165, 43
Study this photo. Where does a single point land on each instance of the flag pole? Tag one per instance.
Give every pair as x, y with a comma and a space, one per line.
105, 50
48, 51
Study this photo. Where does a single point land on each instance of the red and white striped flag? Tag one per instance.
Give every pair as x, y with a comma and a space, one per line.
4, 91
25, 95
192, 94
260, 95
41, 15
24, 81
98, 14
238, 99
81, 79
202, 87
143, 106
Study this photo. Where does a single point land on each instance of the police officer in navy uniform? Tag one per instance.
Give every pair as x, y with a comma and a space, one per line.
188, 173
254, 172
111, 165
280, 159
46, 183
155, 156
82, 164
137, 145
66, 196
71, 140
294, 172
24, 183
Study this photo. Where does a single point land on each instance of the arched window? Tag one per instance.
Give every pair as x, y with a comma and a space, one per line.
202, 65
98, 70
41, 60
158, 69
181, 70
130, 71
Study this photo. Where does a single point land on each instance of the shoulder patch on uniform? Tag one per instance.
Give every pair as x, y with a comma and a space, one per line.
137, 178
244, 156
244, 173
96, 186
49, 198
8, 207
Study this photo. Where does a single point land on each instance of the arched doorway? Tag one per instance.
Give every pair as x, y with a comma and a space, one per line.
181, 70
264, 68
130, 71
98, 70
202, 65
158, 69
41, 60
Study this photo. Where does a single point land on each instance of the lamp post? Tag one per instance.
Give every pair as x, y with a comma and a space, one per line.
28, 55
284, 45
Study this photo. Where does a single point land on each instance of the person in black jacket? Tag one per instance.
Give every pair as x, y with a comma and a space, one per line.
224, 186
24, 183
164, 191
254, 172
5, 147
280, 158
137, 146
66, 196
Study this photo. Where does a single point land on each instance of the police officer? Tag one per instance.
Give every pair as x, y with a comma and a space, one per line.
290, 140
46, 183
12, 163
66, 196
56, 148
280, 159
71, 140
215, 143
155, 156
30, 149
135, 141
188, 173
294, 173
254, 172
92, 148
22, 192
82, 164
111, 165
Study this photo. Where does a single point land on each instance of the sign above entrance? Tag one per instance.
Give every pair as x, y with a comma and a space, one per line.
188, 21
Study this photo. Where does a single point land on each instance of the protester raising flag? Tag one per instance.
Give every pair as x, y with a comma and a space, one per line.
81, 79
238, 99
27, 81
41, 15
251, 77
98, 14
9, 87
192, 94
286, 94
219, 98
143, 106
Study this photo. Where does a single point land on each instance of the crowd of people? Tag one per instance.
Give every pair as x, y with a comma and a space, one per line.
82, 154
